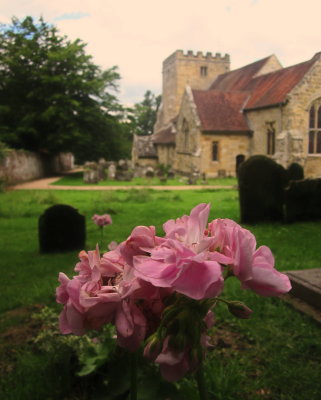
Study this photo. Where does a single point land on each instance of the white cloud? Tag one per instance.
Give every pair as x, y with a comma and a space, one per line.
138, 35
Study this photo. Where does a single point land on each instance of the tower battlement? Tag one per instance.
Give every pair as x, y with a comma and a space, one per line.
199, 55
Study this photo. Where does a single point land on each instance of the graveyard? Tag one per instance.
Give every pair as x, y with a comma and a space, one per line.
275, 354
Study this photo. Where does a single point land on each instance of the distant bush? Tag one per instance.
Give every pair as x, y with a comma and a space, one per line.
303, 200
261, 189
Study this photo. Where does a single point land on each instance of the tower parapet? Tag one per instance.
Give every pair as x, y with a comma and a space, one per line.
199, 55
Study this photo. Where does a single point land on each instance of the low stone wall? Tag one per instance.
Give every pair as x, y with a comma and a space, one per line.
21, 166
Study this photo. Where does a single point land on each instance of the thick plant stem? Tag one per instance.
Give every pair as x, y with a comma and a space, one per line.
133, 376
199, 376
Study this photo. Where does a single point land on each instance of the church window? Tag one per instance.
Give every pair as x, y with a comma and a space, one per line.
215, 151
314, 146
270, 138
203, 71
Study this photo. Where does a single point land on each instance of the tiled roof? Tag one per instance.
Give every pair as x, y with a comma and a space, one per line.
221, 111
165, 136
238, 78
273, 88
266, 90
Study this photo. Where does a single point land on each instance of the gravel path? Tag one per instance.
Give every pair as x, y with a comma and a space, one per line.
45, 184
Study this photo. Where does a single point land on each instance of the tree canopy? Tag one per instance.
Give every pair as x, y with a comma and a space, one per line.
143, 115
53, 97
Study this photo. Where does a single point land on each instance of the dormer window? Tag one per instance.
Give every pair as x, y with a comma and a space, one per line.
203, 71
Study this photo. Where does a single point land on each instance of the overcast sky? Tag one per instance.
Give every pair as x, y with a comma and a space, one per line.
137, 35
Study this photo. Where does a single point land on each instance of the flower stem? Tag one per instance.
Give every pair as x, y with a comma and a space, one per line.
101, 236
133, 376
199, 376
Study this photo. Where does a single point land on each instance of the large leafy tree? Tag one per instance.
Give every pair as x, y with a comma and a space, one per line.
143, 114
52, 96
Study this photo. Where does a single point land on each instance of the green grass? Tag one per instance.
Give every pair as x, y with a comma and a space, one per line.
276, 355
76, 179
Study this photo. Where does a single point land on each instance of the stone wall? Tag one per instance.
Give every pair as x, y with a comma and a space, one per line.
258, 122
166, 153
296, 115
21, 166
229, 147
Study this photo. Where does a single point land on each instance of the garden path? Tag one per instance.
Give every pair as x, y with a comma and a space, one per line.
45, 183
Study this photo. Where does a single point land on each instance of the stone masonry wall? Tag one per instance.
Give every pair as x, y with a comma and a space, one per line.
229, 147
21, 166
257, 121
166, 154
296, 115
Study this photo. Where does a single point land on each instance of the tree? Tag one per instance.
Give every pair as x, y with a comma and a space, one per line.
143, 115
52, 96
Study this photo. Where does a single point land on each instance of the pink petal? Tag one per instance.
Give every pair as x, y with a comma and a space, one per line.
196, 277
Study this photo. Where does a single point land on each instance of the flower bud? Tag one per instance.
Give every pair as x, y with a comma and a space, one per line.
239, 309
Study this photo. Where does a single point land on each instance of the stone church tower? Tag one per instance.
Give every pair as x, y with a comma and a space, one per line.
195, 70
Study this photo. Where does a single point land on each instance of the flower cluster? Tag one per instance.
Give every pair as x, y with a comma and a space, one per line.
160, 291
102, 220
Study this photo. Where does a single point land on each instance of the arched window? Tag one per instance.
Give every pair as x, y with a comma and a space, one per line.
315, 128
270, 136
214, 151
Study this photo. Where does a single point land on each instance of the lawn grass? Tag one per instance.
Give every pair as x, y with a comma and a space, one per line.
276, 355
76, 179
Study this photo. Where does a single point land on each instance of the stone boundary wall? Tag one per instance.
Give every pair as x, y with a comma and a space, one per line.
21, 166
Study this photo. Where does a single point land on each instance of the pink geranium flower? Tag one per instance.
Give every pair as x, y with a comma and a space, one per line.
254, 268
172, 265
182, 260
102, 220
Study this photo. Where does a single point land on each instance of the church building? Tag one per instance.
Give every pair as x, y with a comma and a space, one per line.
213, 118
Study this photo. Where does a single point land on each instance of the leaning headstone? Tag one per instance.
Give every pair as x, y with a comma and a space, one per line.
91, 176
150, 172
102, 167
91, 172
192, 179
111, 172
61, 228
122, 165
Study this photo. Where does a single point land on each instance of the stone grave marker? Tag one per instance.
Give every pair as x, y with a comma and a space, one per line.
306, 285
61, 228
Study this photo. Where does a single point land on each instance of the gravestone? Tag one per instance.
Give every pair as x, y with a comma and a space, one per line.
111, 174
102, 167
91, 174
61, 228
150, 172
306, 285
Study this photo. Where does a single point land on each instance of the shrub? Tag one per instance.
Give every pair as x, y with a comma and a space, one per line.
303, 200
261, 189
295, 172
